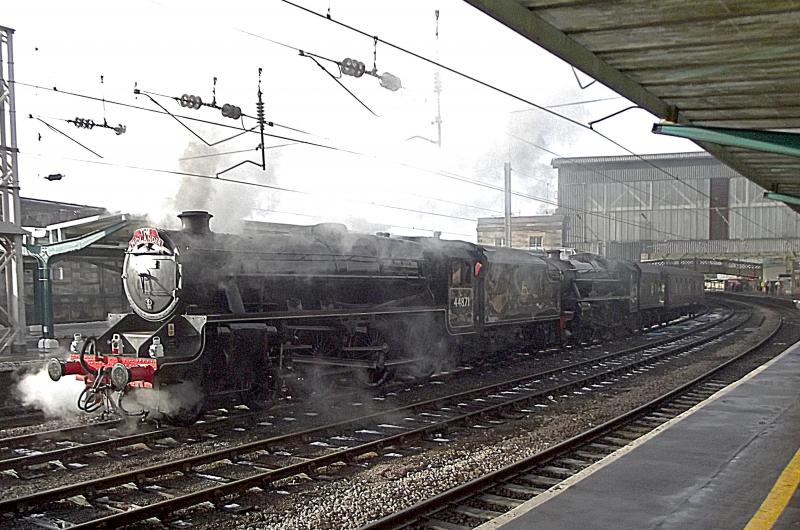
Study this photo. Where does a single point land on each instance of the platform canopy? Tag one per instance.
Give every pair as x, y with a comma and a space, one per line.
722, 64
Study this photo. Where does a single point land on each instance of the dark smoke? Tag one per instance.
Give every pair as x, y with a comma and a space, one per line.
229, 203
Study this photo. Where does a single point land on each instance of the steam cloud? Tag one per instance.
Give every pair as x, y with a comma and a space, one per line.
229, 203
54, 398
169, 401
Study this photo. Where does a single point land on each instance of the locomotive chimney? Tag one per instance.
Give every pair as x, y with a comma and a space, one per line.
195, 221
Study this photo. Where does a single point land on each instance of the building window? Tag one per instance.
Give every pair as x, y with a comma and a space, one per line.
499, 241
536, 241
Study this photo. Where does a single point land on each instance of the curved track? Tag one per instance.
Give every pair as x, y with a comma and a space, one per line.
156, 491
487, 497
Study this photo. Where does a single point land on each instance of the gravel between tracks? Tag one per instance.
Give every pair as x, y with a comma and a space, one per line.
356, 494
139, 456
382, 485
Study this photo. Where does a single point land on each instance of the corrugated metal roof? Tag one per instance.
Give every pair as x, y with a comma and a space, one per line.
728, 63
693, 156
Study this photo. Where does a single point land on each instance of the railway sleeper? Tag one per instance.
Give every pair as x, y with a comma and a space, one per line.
438, 524
636, 428
675, 411
518, 489
540, 480
557, 471
700, 393
615, 441
476, 513
659, 415
652, 421
499, 500
573, 463
628, 434
602, 448
594, 456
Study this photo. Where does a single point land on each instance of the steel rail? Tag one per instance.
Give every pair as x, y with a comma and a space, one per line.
432, 505
21, 420
216, 493
21, 438
85, 448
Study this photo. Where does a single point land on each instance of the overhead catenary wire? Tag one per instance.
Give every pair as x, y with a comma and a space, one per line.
336, 80
253, 184
539, 199
308, 193
518, 98
569, 104
535, 106
603, 174
376, 39
337, 149
236, 152
225, 125
313, 57
139, 107
59, 131
194, 133
246, 115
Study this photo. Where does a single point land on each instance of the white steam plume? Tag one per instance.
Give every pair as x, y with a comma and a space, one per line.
54, 398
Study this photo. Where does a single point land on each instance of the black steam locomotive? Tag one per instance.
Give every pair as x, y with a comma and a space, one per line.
217, 314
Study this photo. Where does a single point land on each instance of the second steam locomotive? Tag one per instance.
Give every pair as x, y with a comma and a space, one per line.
215, 314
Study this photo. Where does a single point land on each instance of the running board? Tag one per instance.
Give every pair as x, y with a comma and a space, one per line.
347, 363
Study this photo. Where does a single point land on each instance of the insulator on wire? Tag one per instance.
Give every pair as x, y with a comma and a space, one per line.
352, 67
84, 123
191, 101
390, 82
231, 111
260, 111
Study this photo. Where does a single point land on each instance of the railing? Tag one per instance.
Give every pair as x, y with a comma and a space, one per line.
745, 269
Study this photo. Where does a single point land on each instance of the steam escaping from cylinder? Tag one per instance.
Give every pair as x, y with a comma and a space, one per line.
172, 401
54, 398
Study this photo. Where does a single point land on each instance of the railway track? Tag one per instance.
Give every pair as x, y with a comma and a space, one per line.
158, 490
490, 496
70, 446
12, 417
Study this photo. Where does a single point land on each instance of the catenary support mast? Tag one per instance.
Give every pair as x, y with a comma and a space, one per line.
12, 307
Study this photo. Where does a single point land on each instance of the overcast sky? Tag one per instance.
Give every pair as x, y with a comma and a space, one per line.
390, 183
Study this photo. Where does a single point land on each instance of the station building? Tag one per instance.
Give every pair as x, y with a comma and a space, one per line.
532, 232
670, 208
86, 283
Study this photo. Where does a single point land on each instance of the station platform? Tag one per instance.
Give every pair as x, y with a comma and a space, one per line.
731, 462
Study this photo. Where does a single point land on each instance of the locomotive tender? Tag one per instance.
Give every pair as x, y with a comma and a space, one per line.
221, 314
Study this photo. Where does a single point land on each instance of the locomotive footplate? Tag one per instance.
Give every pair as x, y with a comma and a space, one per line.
348, 363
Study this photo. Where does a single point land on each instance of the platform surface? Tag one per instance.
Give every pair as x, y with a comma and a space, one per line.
712, 469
